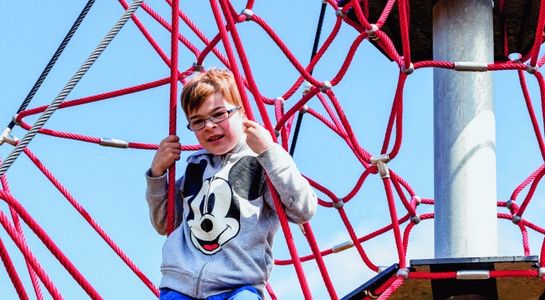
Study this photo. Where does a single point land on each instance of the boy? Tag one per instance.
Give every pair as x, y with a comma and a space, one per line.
225, 218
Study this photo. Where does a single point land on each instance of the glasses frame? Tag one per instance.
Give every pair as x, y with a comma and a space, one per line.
214, 120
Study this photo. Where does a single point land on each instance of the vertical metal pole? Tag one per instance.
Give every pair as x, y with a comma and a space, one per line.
464, 132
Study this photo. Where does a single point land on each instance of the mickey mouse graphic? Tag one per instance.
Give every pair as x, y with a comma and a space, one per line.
214, 205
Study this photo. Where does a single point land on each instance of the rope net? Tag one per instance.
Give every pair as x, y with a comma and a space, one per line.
310, 101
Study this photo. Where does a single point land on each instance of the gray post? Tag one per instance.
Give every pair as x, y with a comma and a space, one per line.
464, 132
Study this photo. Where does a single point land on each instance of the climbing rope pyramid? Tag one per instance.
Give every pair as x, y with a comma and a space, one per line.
351, 110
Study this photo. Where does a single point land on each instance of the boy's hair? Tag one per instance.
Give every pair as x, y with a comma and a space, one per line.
208, 83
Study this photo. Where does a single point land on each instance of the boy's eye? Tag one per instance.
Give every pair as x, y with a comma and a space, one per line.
218, 115
197, 123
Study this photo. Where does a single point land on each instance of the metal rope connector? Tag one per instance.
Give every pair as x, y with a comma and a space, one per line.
473, 275
541, 272
280, 99
415, 219
418, 200
277, 132
339, 13
531, 69
248, 13
508, 203
15, 121
470, 66
408, 70
304, 109
115, 143
370, 294
516, 219
338, 204
403, 273
371, 32
327, 86
343, 246
8, 138
306, 87
197, 67
381, 161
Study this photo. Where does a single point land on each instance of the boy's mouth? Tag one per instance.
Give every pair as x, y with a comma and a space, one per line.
215, 137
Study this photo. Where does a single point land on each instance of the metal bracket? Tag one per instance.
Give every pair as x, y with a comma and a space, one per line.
473, 275
381, 161
115, 143
8, 138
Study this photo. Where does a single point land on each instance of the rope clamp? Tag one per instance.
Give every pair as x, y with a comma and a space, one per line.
15, 121
8, 138
470, 66
306, 87
197, 67
343, 246
339, 13
541, 272
327, 86
473, 275
516, 219
115, 143
403, 273
508, 203
248, 13
415, 219
338, 204
381, 161
418, 200
531, 69
408, 70
371, 32
280, 99
277, 132
303, 109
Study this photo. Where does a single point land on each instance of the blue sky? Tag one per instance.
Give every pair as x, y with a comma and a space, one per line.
109, 183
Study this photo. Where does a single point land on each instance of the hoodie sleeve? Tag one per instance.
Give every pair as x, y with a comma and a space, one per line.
295, 192
156, 196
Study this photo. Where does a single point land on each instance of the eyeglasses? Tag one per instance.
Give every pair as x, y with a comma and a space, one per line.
216, 117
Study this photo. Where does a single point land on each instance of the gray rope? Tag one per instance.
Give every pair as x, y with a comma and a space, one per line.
68, 88
53, 59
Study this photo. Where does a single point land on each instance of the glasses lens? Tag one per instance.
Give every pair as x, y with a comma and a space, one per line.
196, 125
219, 116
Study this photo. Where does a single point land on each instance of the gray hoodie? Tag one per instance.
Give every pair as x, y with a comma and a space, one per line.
225, 221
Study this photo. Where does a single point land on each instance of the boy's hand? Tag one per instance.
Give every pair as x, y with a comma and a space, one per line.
257, 137
168, 152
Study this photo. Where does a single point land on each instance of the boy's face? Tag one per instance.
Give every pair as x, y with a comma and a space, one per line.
222, 137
